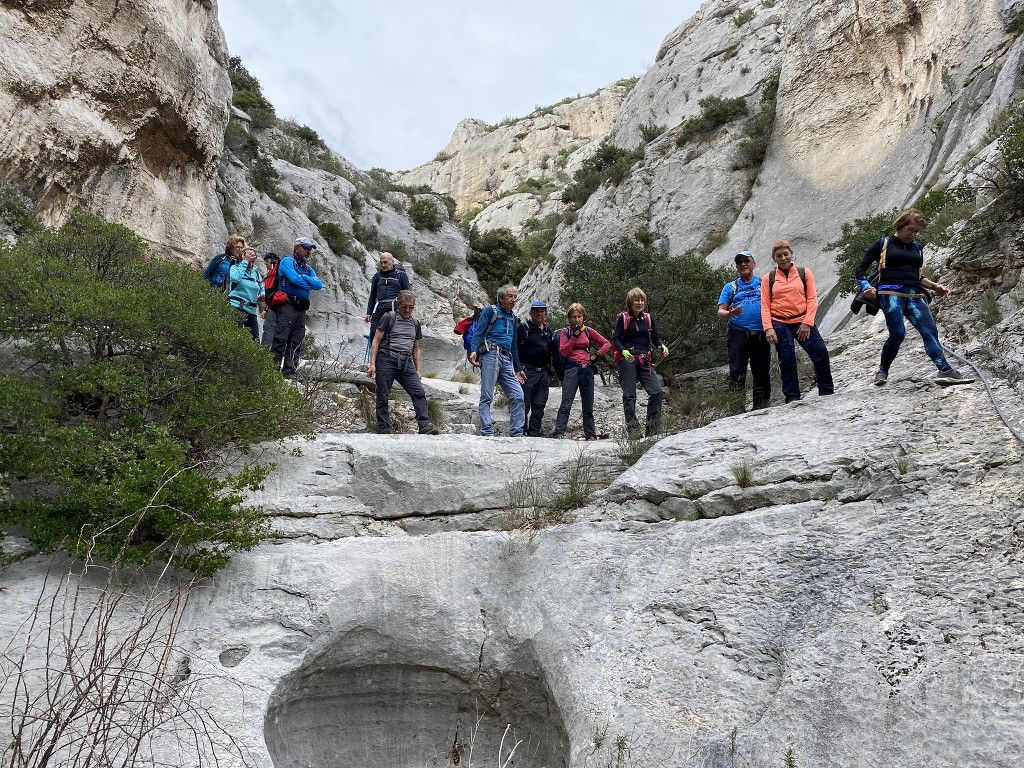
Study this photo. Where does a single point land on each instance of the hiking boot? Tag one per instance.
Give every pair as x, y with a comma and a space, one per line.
558, 436
881, 377
953, 376
429, 429
591, 437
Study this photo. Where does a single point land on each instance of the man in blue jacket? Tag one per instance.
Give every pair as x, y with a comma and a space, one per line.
494, 346
740, 304
296, 279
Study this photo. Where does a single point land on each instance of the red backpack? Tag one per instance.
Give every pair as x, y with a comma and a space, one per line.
271, 290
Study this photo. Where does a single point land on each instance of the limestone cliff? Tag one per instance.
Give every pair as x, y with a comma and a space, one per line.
481, 164
117, 106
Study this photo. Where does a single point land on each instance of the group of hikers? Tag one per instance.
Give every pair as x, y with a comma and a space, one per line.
280, 297
777, 309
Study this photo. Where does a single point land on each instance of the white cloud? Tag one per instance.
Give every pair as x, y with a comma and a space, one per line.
386, 82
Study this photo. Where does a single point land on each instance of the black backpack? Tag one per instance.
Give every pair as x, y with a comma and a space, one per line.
557, 361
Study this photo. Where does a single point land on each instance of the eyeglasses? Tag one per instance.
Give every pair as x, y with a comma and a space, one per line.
406, 306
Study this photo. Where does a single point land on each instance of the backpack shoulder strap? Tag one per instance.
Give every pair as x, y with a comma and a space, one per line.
803, 278
881, 256
386, 326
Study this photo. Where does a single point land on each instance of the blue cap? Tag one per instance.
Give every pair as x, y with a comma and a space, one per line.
305, 242
538, 305
745, 255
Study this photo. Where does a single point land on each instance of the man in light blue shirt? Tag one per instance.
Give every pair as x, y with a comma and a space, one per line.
740, 304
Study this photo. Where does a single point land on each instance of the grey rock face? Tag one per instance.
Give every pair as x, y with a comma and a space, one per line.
855, 598
118, 107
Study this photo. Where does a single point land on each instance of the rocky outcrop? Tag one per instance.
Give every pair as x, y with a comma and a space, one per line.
840, 577
481, 164
117, 106
877, 104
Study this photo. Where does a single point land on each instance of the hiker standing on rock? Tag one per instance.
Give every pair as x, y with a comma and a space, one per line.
494, 347
574, 343
533, 338
395, 356
385, 286
901, 294
297, 279
740, 304
636, 337
789, 303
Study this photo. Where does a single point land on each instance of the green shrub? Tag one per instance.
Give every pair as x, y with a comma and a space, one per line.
497, 257
337, 239
398, 249
650, 132
367, 235
241, 142
16, 212
117, 400
609, 164
442, 262
681, 292
715, 112
264, 176
247, 95
423, 214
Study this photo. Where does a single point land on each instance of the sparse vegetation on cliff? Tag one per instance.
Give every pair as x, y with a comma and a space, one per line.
715, 111
610, 164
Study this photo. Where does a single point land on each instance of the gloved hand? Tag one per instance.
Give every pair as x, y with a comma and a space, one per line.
664, 350
627, 355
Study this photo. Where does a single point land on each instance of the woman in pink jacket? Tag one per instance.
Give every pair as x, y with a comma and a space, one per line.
574, 343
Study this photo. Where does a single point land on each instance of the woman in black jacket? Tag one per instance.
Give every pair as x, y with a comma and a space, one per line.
901, 294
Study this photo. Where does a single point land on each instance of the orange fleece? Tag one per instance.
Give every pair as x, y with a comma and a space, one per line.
789, 302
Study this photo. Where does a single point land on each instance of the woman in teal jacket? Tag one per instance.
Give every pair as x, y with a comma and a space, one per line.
246, 291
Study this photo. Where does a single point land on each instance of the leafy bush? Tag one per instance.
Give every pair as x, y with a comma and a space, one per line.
125, 378
398, 249
16, 212
247, 95
649, 132
715, 112
497, 257
442, 262
681, 293
609, 164
337, 239
423, 214
265, 176
367, 235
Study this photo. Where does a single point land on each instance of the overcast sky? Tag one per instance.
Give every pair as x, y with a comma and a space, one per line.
385, 82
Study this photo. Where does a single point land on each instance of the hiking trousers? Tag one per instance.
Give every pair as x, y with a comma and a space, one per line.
630, 371
401, 369
496, 369
248, 321
289, 331
535, 396
577, 377
916, 311
815, 348
269, 324
750, 347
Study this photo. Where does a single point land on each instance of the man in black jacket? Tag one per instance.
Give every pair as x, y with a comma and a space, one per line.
533, 338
